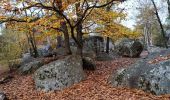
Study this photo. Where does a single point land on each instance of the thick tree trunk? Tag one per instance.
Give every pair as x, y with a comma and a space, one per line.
107, 44
67, 44
79, 30
64, 29
160, 23
79, 51
66, 38
80, 40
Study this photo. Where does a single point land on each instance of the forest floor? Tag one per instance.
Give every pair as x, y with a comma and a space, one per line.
95, 87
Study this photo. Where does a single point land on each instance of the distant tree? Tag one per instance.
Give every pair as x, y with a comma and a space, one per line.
148, 14
168, 2
160, 23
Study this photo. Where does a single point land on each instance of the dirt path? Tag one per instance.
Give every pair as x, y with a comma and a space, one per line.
95, 87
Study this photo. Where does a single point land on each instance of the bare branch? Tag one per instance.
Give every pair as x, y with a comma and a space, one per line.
89, 25
18, 20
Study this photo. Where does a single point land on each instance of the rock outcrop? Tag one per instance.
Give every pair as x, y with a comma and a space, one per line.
150, 77
59, 74
129, 48
31, 67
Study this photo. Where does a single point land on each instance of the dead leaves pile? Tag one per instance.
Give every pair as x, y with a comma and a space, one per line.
95, 87
159, 59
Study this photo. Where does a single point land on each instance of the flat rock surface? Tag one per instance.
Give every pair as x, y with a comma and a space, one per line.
95, 87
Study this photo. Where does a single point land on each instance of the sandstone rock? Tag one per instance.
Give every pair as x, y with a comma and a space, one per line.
31, 67
26, 58
59, 74
89, 63
154, 78
155, 49
129, 48
91, 54
86, 53
103, 57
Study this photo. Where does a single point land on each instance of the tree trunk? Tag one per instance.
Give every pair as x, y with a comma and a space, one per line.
160, 23
107, 44
33, 44
28, 40
108, 39
31, 39
64, 30
79, 30
66, 38
168, 2
35, 52
80, 40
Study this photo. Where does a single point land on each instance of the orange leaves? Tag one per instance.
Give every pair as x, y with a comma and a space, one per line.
49, 22
159, 59
95, 87
2, 17
107, 16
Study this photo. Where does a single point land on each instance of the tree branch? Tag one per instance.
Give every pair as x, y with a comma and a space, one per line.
18, 20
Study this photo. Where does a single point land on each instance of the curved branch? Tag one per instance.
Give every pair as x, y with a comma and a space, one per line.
18, 20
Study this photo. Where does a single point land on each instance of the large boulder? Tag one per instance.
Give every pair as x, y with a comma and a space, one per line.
94, 43
155, 49
91, 54
160, 52
59, 51
31, 67
59, 74
88, 58
128, 47
26, 58
150, 77
45, 51
103, 57
86, 52
89, 63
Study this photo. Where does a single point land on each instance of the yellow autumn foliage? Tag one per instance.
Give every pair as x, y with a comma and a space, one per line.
109, 24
